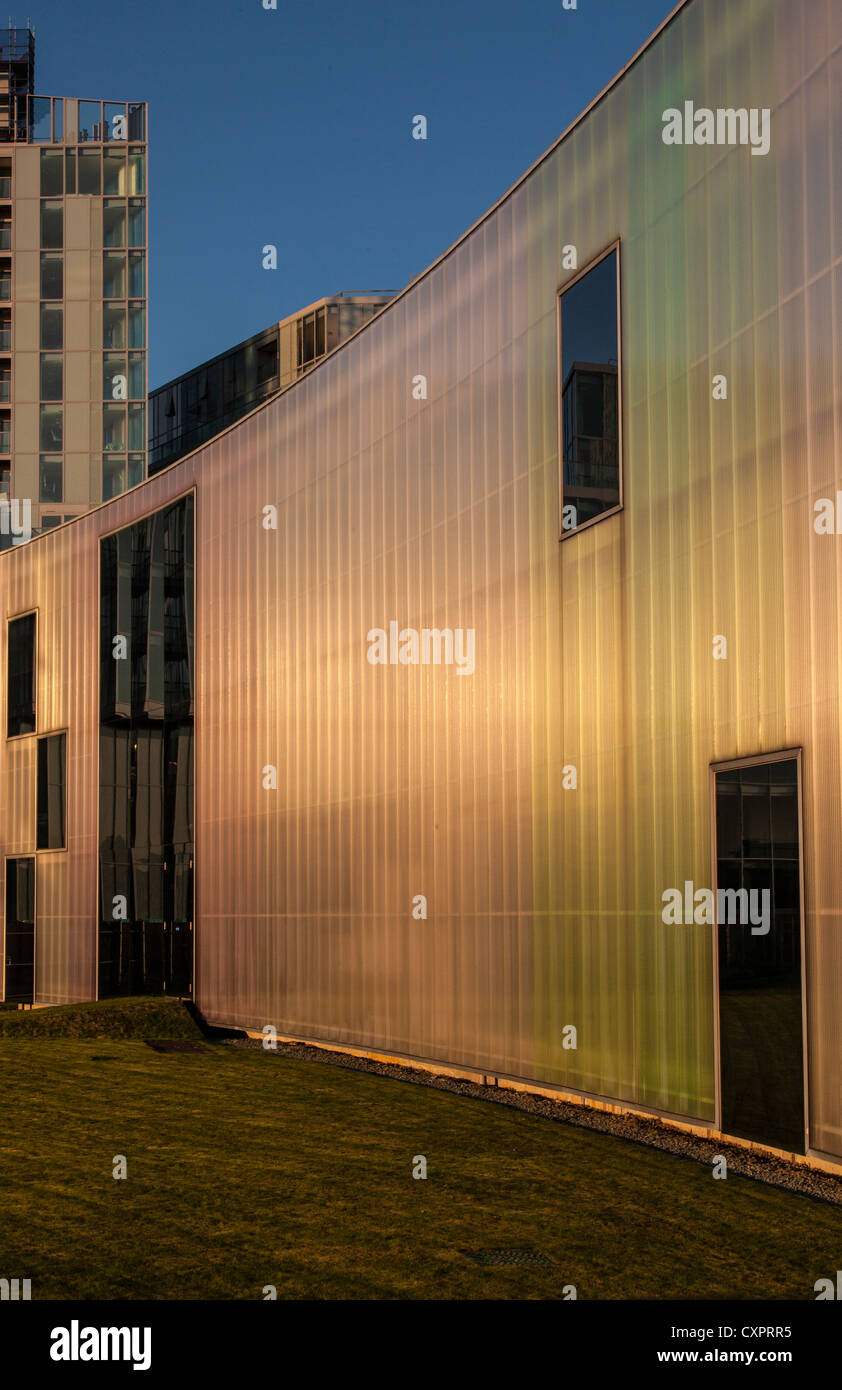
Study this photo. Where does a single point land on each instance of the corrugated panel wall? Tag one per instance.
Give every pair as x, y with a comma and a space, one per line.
392, 781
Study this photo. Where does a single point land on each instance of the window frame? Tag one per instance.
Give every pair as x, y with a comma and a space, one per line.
778, 755
565, 535
52, 733
12, 618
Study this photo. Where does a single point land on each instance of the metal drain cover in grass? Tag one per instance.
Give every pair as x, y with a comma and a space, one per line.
532, 1259
175, 1045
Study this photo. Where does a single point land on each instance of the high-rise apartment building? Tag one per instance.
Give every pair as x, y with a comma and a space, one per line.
72, 296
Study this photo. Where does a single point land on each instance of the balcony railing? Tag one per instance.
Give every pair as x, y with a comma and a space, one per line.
5, 188
5, 238
5, 442
5, 389
5, 287
5, 339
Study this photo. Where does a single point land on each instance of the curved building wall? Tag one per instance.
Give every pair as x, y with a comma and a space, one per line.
544, 904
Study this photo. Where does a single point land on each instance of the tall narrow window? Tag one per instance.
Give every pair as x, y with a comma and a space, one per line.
20, 931
20, 701
52, 756
758, 876
590, 395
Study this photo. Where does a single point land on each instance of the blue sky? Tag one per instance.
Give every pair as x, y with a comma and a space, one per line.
293, 127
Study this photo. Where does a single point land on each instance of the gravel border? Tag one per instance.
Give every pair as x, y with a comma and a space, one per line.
646, 1130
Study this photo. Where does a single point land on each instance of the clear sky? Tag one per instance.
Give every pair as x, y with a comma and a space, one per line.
293, 127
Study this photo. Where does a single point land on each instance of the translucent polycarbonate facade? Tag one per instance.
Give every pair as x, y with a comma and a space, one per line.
537, 806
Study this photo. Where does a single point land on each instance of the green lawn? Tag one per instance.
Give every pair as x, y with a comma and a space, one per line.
246, 1169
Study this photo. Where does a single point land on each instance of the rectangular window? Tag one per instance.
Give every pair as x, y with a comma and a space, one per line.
20, 931
589, 407
114, 275
70, 171
113, 369
52, 277
114, 326
758, 901
51, 791
113, 476
40, 116
20, 691
52, 237
137, 172
137, 376
114, 429
137, 223
51, 432
137, 121
137, 274
90, 121
51, 327
51, 378
114, 172
137, 426
114, 122
137, 326
50, 478
114, 224
52, 182
89, 171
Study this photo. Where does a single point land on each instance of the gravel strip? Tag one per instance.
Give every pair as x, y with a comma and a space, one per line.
650, 1131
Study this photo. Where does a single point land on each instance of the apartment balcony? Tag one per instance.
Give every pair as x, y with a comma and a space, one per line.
5, 442
5, 339
5, 188
5, 287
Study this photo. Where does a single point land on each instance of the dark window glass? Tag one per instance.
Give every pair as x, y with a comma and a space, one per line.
90, 162
51, 327
146, 753
137, 223
759, 927
590, 468
51, 225
52, 181
70, 171
50, 479
41, 118
52, 277
21, 676
137, 122
51, 428
51, 378
20, 931
51, 791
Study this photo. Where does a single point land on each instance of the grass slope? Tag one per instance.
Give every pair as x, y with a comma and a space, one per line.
246, 1170
108, 1018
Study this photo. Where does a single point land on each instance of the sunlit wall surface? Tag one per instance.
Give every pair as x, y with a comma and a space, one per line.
395, 781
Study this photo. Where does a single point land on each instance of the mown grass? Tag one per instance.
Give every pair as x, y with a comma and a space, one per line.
246, 1169
107, 1018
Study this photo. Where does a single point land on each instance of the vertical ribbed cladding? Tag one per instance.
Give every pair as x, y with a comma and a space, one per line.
394, 781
